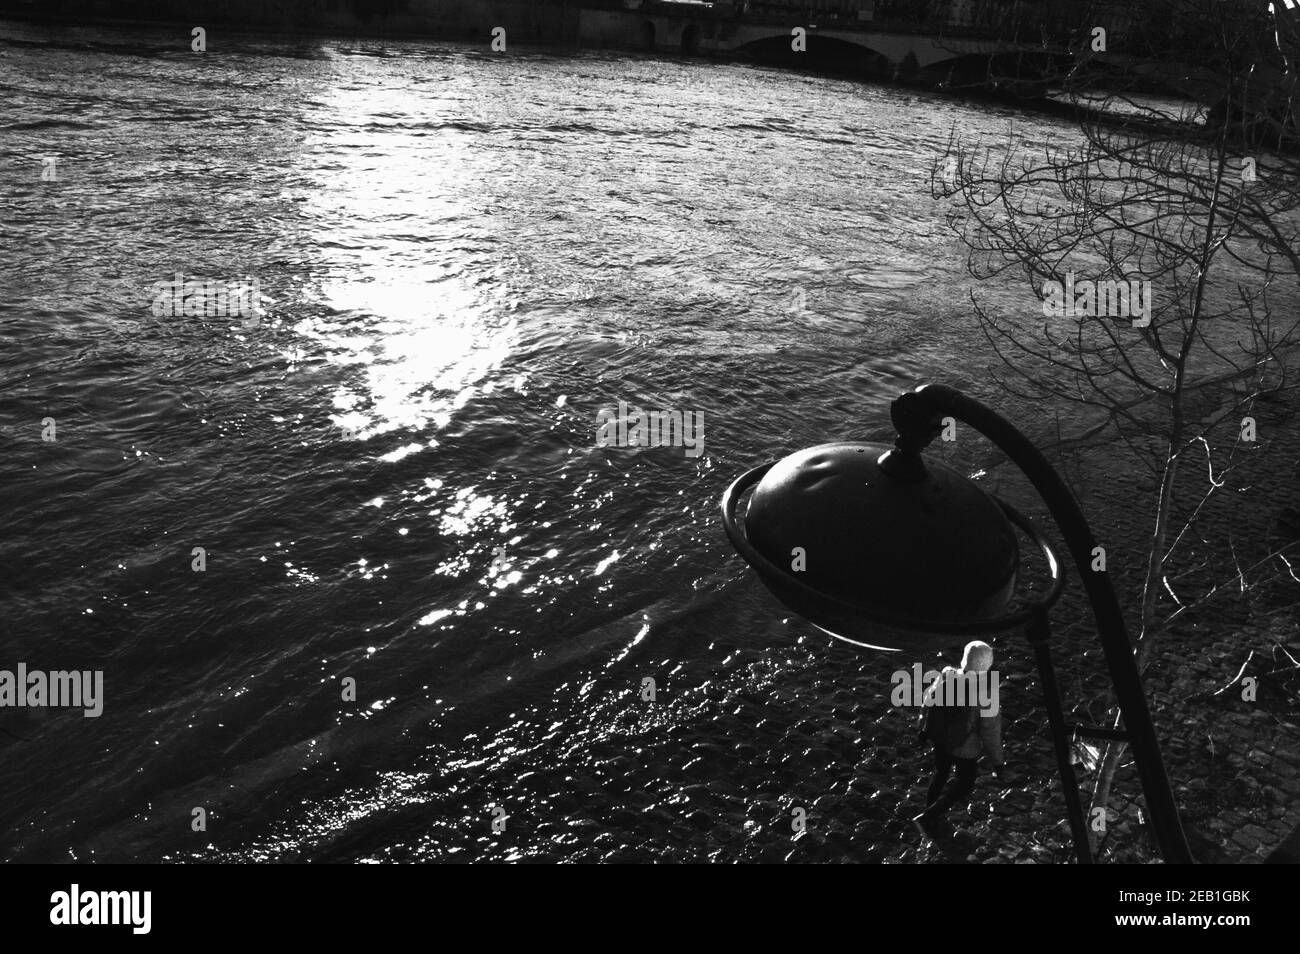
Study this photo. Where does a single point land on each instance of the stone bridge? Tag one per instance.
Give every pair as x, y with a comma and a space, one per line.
832, 43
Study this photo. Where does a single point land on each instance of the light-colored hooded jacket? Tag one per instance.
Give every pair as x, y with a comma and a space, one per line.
986, 733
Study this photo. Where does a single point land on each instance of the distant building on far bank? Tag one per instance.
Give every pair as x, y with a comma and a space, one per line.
526, 21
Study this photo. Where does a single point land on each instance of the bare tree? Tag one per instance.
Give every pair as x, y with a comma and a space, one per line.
1157, 245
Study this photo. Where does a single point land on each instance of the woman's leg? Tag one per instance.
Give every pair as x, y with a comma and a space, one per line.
958, 790
942, 766
964, 783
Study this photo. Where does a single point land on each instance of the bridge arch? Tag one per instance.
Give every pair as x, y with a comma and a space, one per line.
829, 53
690, 39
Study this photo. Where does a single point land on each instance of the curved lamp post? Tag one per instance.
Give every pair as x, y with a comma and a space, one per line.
901, 554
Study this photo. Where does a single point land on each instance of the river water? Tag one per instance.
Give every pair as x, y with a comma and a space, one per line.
393, 473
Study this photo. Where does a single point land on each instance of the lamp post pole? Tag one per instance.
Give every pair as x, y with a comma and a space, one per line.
918, 416
1039, 631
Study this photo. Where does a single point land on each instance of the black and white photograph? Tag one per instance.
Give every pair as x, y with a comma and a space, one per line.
650, 432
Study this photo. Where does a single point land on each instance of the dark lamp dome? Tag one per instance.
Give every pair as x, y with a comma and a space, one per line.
910, 542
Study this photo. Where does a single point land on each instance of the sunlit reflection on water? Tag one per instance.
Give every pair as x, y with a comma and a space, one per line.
425, 349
